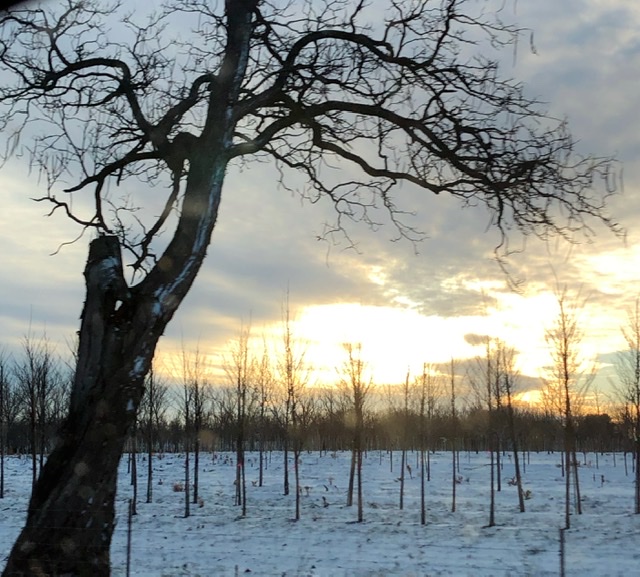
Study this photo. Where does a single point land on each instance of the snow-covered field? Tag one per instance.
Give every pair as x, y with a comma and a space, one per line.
215, 540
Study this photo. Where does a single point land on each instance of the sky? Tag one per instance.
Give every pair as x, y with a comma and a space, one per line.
406, 304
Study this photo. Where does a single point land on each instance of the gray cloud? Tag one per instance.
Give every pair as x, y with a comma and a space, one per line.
266, 240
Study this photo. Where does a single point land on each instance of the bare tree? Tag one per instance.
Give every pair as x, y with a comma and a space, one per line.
293, 376
305, 413
508, 377
628, 387
454, 431
186, 408
356, 389
133, 467
406, 397
193, 398
240, 369
264, 391
428, 390
6, 393
37, 376
313, 90
152, 410
565, 384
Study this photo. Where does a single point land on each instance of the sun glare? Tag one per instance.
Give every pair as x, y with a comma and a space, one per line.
398, 338
529, 399
394, 340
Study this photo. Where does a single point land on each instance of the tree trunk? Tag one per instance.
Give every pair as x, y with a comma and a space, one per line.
196, 464
637, 476
498, 463
360, 497
352, 474
492, 503
2, 431
514, 446
403, 464
261, 455
33, 434
243, 480
567, 487
423, 508
150, 462
453, 476
286, 462
296, 469
576, 478
134, 471
71, 513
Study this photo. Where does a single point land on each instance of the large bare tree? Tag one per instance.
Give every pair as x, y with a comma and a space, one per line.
355, 99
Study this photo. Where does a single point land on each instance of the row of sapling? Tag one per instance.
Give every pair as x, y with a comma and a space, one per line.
502, 384
42, 388
255, 380
498, 357
194, 399
493, 380
500, 375
34, 391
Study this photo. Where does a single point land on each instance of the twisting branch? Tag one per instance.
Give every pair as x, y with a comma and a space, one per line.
322, 87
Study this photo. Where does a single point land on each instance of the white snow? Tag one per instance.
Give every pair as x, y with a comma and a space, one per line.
215, 540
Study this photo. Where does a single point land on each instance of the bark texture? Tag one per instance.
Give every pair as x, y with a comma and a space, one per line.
71, 513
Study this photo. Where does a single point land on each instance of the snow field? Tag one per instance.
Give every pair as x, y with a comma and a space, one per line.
216, 540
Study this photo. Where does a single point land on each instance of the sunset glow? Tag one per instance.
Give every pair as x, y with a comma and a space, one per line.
406, 304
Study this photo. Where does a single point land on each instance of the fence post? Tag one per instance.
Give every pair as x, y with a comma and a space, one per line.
562, 552
129, 519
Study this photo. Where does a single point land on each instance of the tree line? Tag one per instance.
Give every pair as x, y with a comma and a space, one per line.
265, 404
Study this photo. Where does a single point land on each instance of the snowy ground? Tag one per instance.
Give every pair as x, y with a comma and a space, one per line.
214, 540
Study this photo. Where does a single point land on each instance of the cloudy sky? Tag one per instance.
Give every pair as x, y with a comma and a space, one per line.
406, 304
